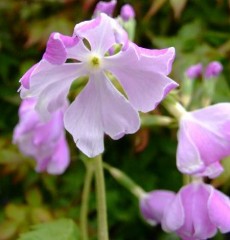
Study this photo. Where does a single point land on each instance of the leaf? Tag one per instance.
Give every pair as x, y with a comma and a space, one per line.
62, 229
178, 6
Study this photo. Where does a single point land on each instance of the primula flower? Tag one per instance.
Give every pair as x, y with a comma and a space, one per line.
213, 69
194, 213
100, 108
194, 71
43, 141
204, 140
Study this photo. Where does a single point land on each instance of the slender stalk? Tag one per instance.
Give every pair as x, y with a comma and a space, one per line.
101, 199
125, 181
85, 200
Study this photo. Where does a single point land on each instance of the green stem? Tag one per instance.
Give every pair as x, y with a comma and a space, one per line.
101, 199
85, 199
174, 107
125, 181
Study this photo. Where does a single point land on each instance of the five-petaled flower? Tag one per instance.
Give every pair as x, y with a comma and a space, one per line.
204, 140
194, 213
44, 141
100, 108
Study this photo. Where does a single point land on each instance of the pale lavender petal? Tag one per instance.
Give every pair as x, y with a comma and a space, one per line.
25, 80
145, 88
119, 117
212, 171
153, 205
84, 121
158, 60
174, 216
203, 227
188, 156
105, 7
60, 159
106, 111
102, 33
50, 83
219, 210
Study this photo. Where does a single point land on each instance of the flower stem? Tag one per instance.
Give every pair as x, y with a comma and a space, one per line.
101, 199
125, 181
85, 199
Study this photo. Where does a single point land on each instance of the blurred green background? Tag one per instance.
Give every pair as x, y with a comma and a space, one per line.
200, 32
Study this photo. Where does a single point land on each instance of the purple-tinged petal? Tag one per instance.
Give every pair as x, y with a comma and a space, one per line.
194, 71
127, 12
105, 7
50, 83
102, 33
203, 227
56, 49
25, 80
87, 119
212, 171
153, 205
145, 88
219, 210
188, 156
204, 137
213, 69
122, 118
158, 60
83, 120
57, 161
174, 216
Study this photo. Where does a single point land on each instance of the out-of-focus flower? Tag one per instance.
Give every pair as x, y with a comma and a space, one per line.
213, 69
44, 141
127, 12
204, 140
194, 71
197, 212
100, 108
152, 205
105, 7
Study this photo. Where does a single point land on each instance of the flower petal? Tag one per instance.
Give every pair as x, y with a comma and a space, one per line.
158, 60
56, 52
119, 117
50, 83
145, 88
153, 205
174, 216
219, 210
84, 122
188, 157
203, 227
102, 33
105, 111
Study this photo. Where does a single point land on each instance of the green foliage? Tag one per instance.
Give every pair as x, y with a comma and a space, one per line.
62, 229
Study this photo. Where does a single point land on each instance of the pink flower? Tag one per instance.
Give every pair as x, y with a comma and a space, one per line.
204, 140
213, 69
100, 108
194, 213
194, 71
43, 141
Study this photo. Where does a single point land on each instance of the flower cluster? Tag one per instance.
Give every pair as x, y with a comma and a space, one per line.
44, 141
